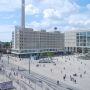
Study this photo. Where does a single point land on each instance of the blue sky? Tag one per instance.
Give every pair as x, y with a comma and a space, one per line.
44, 14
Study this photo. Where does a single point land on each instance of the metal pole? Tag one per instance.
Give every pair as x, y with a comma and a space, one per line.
35, 85
8, 55
29, 64
0, 56
8, 59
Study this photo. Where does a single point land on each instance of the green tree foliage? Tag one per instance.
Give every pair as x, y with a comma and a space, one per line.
79, 50
50, 55
47, 54
43, 55
6, 44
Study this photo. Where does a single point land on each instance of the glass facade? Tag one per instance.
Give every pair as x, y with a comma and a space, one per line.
88, 38
83, 38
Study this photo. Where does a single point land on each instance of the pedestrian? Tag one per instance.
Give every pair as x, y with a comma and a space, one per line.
51, 70
29, 81
14, 73
18, 67
75, 81
10, 74
64, 77
57, 82
43, 65
85, 72
61, 71
81, 75
64, 68
70, 77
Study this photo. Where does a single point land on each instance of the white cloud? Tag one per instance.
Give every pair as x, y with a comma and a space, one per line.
69, 7
79, 19
61, 5
31, 9
6, 28
55, 11
7, 17
9, 5
45, 24
6, 32
34, 25
39, 25
51, 13
88, 6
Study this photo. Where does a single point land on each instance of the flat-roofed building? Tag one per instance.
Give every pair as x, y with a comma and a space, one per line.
77, 41
27, 41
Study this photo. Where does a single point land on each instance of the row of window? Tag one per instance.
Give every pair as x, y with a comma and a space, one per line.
83, 44
43, 50
83, 39
83, 34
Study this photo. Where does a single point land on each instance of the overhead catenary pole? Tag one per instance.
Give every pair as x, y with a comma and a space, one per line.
8, 56
29, 64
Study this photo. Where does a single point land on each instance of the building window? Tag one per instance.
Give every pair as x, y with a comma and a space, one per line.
77, 34
88, 34
77, 44
82, 33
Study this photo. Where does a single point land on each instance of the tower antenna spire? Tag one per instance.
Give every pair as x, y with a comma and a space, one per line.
23, 14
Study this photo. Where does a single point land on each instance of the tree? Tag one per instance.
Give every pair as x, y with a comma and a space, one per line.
6, 44
50, 54
47, 54
43, 55
79, 50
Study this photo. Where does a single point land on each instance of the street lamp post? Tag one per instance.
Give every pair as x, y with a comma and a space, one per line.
29, 64
0, 56
8, 56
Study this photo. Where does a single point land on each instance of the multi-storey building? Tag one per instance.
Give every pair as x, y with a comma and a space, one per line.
77, 41
27, 41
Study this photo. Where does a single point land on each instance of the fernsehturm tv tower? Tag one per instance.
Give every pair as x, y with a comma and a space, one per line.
23, 14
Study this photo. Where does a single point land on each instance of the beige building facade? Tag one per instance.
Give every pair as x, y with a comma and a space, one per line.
26, 41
